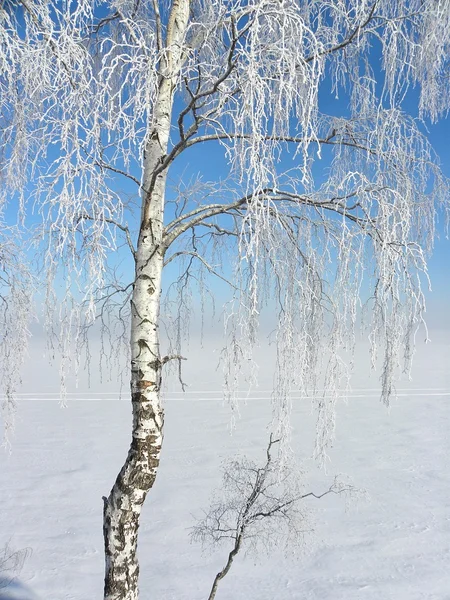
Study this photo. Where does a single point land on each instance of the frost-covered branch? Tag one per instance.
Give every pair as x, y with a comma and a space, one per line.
17, 286
358, 30
123, 228
198, 256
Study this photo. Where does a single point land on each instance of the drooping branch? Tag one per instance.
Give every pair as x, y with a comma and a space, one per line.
185, 222
51, 42
105, 21
201, 214
123, 228
199, 257
213, 88
103, 165
329, 140
359, 30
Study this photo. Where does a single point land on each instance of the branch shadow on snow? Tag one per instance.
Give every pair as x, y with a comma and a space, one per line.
13, 589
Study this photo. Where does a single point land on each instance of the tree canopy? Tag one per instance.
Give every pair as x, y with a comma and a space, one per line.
315, 201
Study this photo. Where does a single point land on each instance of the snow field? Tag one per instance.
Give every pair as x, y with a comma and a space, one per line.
393, 546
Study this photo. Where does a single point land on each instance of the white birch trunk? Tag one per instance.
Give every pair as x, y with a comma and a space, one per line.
123, 506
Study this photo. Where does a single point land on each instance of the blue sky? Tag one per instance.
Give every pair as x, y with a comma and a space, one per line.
208, 162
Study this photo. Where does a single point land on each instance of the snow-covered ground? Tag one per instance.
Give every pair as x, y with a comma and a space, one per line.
394, 546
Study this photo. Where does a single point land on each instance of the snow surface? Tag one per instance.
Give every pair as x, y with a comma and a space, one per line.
394, 546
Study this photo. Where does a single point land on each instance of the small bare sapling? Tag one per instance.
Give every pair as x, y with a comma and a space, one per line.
260, 508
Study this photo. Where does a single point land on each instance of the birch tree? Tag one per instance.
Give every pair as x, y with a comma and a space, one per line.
100, 96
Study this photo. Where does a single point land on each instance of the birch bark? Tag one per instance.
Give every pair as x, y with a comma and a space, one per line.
123, 506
